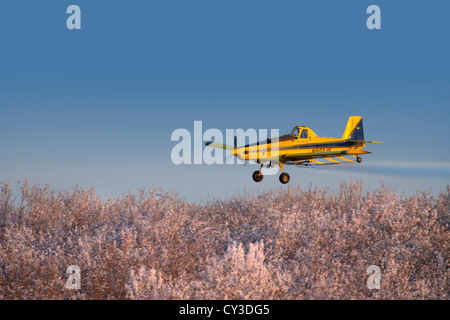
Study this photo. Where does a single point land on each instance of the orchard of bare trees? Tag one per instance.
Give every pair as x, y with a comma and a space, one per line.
287, 244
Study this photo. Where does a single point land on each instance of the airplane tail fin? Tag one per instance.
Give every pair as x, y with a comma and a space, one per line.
354, 129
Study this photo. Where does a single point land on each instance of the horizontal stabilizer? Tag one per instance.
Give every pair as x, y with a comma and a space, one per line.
365, 141
218, 145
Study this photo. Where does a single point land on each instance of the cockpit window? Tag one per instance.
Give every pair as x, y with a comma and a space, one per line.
295, 132
304, 134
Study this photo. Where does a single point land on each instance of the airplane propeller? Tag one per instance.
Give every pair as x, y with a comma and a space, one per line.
229, 155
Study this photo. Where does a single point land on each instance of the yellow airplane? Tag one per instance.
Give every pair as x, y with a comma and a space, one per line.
302, 147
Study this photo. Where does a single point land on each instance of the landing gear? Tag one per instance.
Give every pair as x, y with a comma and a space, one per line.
358, 159
257, 176
284, 178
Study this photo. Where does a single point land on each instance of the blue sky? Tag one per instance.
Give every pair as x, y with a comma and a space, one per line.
97, 106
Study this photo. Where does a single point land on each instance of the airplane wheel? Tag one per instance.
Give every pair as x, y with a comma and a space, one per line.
359, 159
257, 176
284, 178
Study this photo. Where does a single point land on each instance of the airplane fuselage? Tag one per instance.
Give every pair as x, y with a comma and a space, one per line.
290, 149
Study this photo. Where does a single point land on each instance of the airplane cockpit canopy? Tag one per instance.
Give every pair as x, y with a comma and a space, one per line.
303, 132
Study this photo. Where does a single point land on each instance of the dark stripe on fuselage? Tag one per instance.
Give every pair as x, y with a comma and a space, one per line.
322, 145
313, 145
316, 145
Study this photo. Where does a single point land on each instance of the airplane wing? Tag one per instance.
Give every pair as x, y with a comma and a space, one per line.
218, 145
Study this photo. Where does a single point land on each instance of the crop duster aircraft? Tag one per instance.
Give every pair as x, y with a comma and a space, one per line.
302, 147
